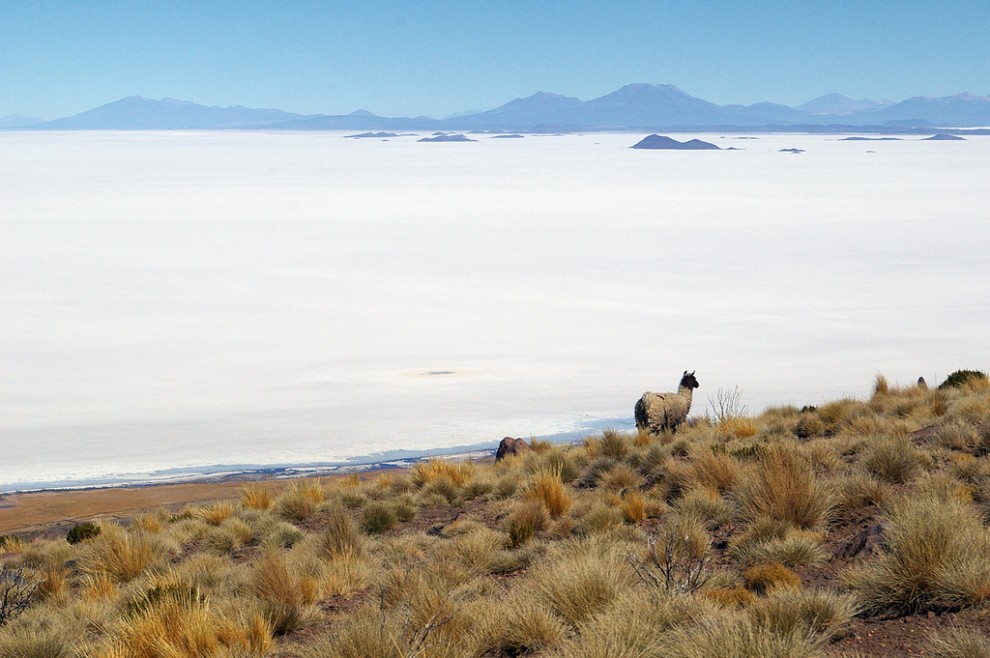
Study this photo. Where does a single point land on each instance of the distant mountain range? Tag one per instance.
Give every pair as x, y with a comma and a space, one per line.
644, 107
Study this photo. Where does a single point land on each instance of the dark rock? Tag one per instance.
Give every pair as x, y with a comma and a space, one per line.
662, 142
447, 138
791, 150
509, 446
866, 542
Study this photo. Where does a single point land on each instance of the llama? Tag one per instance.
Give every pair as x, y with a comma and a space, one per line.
658, 412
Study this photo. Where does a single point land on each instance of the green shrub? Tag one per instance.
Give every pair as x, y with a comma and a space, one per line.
961, 377
81, 532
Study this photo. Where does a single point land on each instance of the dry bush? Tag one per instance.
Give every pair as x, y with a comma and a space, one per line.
257, 497
596, 517
633, 506
286, 591
619, 477
936, 554
26, 642
796, 612
959, 643
430, 471
557, 460
549, 489
377, 518
823, 455
300, 500
528, 518
596, 470
283, 534
122, 555
714, 469
613, 444
340, 536
708, 505
785, 487
654, 458
172, 620
728, 597
837, 415
214, 575
741, 427
442, 490
810, 424
151, 522
631, 627
214, 514
764, 578
893, 460
735, 636
858, 491
581, 579
517, 625
798, 548
17, 590
676, 558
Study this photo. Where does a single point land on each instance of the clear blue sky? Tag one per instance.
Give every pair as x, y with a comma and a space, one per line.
435, 57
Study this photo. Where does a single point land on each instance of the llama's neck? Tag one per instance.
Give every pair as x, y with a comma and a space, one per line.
685, 391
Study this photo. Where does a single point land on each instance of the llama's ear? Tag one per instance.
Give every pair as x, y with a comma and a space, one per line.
685, 374
692, 372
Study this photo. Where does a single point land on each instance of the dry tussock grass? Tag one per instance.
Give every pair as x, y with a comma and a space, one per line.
937, 554
786, 488
430, 471
540, 554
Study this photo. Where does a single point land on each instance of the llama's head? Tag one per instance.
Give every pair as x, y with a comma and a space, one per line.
688, 380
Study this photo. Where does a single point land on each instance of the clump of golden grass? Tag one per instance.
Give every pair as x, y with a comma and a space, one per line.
580, 581
300, 499
767, 541
173, 622
548, 488
257, 497
519, 625
706, 504
937, 553
430, 471
340, 536
959, 643
526, 520
121, 555
764, 578
613, 444
633, 506
377, 518
728, 597
735, 636
786, 488
286, 592
793, 612
633, 625
23, 642
893, 460
740, 427
715, 469
216, 513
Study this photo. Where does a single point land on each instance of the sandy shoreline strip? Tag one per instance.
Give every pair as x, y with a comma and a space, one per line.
38, 511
